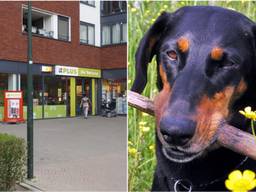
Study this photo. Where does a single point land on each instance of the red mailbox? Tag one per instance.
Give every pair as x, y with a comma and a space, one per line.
13, 106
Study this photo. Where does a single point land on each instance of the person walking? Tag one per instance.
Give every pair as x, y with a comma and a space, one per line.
85, 101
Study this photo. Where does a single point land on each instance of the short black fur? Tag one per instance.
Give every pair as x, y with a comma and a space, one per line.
197, 75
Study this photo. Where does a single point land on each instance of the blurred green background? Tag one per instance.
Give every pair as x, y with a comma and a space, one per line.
141, 14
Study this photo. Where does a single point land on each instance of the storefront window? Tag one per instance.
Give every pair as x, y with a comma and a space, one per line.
115, 92
55, 92
37, 89
49, 98
3, 86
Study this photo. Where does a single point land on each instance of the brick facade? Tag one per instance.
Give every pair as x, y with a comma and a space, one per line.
13, 43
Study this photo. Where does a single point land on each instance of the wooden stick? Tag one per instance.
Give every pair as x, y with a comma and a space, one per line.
228, 136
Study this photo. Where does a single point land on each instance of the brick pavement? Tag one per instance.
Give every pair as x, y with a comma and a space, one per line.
78, 154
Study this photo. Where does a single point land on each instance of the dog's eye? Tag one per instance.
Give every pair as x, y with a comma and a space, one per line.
172, 55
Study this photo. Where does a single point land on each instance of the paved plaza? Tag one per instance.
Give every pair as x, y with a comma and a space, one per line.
78, 154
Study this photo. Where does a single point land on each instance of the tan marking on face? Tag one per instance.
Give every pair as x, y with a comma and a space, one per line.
217, 53
241, 88
210, 112
183, 44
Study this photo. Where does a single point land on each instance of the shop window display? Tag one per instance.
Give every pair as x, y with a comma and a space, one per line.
49, 98
115, 92
3, 87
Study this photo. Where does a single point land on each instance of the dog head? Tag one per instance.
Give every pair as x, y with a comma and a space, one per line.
205, 62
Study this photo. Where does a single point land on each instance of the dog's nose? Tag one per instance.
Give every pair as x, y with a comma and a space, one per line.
177, 131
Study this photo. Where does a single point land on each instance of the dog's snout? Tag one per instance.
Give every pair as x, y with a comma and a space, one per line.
177, 131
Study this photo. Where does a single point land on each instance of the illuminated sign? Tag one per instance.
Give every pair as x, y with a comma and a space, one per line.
84, 72
67, 71
47, 69
79, 72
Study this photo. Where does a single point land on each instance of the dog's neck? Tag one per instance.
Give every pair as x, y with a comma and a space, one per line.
201, 172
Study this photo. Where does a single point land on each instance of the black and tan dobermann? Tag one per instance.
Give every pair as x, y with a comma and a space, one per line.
206, 66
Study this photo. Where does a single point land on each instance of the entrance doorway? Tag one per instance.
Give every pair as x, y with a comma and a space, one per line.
82, 87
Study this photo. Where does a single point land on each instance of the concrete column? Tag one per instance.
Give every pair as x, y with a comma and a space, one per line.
14, 82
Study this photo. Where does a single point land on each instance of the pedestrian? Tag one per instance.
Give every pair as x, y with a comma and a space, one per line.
85, 101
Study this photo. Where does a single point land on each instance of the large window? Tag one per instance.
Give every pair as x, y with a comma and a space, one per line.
63, 28
42, 23
114, 33
87, 33
106, 32
112, 7
91, 3
124, 32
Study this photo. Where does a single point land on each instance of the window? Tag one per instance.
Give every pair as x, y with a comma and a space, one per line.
124, 32
42, 23
113, 7
87, 34
106, 40
114, 33
91, 3
63, 28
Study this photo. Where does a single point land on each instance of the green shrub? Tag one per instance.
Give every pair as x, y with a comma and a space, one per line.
12, 161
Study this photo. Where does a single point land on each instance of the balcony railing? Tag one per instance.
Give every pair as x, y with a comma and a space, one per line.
39, 31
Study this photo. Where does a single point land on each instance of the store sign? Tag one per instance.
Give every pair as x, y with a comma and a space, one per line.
13, 95
84, 72
67, 71
46, 69
78, 72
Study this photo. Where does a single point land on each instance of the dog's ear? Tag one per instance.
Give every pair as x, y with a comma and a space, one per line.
146, 50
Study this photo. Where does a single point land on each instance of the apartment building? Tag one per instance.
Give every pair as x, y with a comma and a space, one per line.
70, 56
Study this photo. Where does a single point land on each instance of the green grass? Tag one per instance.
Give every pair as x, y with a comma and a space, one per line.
141, 15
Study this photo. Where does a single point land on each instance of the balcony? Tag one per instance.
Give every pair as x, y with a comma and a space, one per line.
47, 24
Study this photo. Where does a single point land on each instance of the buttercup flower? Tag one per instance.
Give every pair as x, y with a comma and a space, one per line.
145, 129
248, 113
133, 9
152, 147
145, 114
141, 123
241, 182
132, 151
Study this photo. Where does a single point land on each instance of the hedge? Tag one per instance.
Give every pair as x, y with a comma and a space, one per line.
12, 161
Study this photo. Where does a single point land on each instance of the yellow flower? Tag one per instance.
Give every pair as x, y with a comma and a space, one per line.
145, 114
248, 113
145, 129
132, 151
142, 123
152, 147
130, 143
239, 182
133, 9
